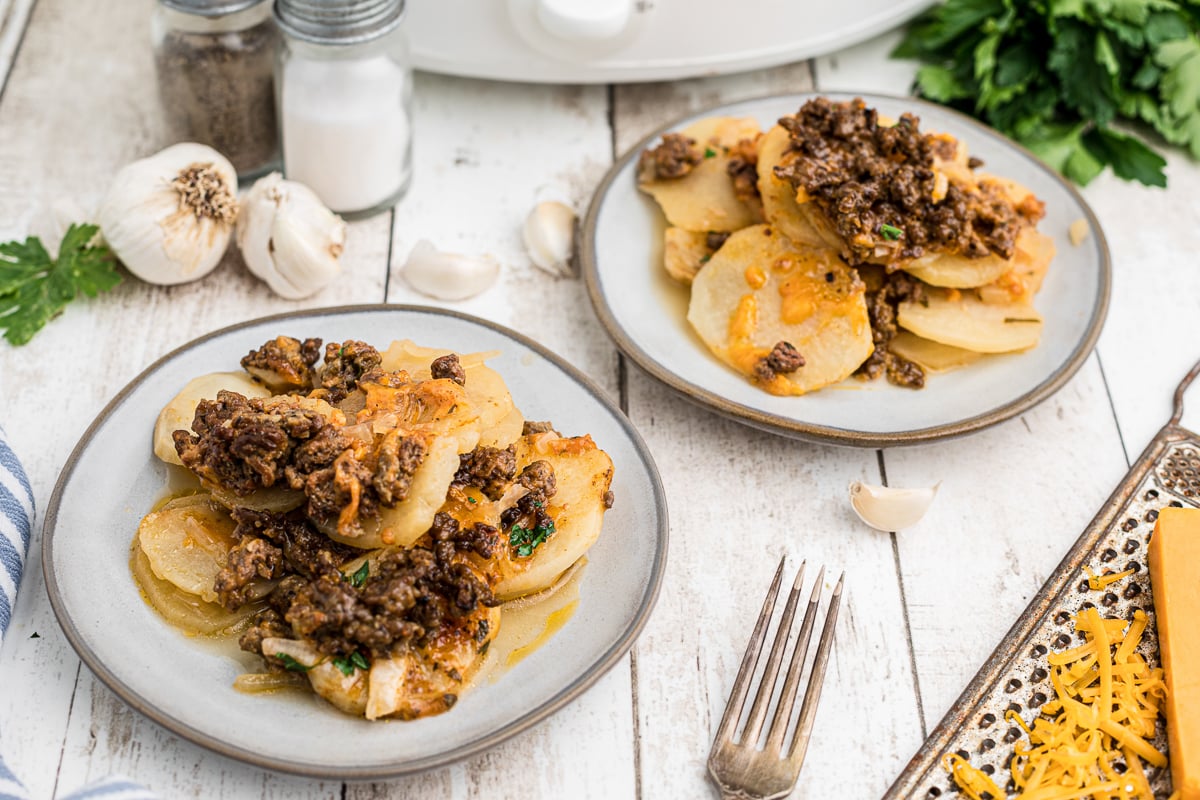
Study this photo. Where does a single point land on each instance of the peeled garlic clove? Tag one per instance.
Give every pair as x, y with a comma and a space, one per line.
448, 276
888, 509
288, 237
169, 217
549, 235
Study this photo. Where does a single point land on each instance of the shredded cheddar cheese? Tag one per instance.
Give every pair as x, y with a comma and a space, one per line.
1107, 703
1098, 582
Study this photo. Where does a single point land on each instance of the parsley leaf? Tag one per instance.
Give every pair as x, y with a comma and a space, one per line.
710, 153
360, 575
347, 665
34, 288
525, 541
1060, 76
890, 232
292, 664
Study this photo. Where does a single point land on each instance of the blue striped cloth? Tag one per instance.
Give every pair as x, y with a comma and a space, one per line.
16, 529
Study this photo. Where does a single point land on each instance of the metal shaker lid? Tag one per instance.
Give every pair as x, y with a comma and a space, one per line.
210, 8
338, 21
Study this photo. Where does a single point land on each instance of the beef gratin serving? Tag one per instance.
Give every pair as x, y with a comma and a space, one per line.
841, 243
359, 520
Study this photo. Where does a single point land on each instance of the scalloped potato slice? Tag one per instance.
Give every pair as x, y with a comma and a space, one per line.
181, 410
684, 253
347, 693
960, 272
583, 474
961, 319
409, 519
187, 542
1029, 268
183, 610
760, 289
703, 199
779, 198
933, 356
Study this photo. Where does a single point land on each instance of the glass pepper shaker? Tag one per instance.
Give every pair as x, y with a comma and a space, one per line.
215, 61
344, 88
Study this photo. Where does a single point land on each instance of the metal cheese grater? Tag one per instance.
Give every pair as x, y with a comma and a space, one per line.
1015, 676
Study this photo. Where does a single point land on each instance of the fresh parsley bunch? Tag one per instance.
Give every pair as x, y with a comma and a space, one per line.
34, 288
1055, 75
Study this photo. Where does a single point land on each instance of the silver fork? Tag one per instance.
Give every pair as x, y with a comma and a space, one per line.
740, 770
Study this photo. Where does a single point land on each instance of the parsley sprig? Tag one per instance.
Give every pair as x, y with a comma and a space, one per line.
34, 288
526, 540
1058, 75
348, 664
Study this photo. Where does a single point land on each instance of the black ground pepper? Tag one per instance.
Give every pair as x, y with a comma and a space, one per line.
217, 88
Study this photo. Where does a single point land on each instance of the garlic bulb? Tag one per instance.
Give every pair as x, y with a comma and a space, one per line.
448, 276
289, 238
888, 509
549, 235
169, 217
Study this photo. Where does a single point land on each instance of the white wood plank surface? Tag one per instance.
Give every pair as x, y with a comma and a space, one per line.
923, 608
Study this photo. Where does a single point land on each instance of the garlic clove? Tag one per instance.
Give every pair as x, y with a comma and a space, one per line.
169, 217
549, 235
288, 237
890, 509
448, 276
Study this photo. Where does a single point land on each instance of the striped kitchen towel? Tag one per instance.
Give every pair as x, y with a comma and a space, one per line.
16, 524
16, 529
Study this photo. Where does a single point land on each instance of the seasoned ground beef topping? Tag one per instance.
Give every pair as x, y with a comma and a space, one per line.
345, 364
876, 185
488, 469
530, 428
882, 302
783, 359
743, 170
284, 362
448, 367
673, 158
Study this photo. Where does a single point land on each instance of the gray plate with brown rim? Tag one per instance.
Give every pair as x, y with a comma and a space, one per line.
112, 479
644, 311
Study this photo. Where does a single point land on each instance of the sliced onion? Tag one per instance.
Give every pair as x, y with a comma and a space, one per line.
261, 682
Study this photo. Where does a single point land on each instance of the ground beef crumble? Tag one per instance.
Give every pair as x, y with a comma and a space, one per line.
448, 367
896, 288
782, 360
344, 365
743, 170
488, 469
673, 158
284, 363
866, 177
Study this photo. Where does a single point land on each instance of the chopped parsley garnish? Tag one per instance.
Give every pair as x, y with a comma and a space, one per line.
355, 660
526, 540
704, 258
360, 575
710, 153
471, 500
292, 664
890, 232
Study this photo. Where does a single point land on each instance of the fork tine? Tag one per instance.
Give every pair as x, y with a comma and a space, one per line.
741, 685
813, 693
766, 686
787, 700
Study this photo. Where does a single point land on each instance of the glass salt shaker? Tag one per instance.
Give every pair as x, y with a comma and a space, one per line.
215, 60
344, 88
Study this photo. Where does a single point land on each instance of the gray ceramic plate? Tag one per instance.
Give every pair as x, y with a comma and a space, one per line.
644, 310
112, 479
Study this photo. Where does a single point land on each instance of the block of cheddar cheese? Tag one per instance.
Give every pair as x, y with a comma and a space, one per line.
1175, 578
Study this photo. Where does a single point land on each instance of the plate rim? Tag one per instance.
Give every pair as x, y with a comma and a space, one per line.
536, 715
826, 434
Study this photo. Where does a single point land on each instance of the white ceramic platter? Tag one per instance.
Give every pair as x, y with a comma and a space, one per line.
112, 479
661, 40
644, 310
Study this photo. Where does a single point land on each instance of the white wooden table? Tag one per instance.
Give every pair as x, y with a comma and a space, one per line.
924, 608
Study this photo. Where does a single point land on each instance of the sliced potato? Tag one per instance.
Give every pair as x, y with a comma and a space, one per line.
704, 199
960, 272
1029, 267
583, 474
933, 356
504, 432
179, 413
187, 542
277, 499
684, 253
779, 198
348, 693
760, 289
408, 520
183, 610
961, 319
